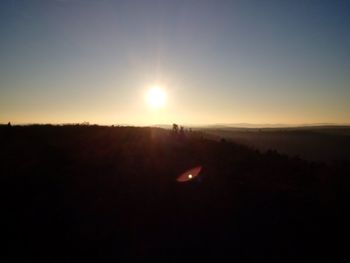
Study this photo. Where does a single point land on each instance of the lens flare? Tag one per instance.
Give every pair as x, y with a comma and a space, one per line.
189, 174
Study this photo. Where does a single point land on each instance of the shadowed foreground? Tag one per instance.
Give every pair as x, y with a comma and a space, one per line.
102, 194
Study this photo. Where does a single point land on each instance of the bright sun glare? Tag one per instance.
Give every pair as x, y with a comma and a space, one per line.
156, 97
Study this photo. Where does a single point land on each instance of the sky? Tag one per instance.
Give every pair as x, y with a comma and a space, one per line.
219, 62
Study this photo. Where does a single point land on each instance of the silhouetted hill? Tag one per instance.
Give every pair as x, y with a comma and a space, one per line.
314, 143
108, 194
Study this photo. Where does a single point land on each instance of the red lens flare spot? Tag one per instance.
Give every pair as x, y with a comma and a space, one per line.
189, 174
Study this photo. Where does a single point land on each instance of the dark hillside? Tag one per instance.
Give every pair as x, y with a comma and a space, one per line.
324, 143
109, 194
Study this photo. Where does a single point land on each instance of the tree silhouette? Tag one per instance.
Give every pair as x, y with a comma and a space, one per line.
175, 129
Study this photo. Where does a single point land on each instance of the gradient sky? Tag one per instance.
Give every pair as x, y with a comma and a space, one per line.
249, 61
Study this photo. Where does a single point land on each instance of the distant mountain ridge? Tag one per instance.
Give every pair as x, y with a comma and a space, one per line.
254, 126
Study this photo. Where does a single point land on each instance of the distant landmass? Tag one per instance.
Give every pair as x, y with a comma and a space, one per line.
314, 143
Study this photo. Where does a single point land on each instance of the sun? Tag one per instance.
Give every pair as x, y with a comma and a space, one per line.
156, 97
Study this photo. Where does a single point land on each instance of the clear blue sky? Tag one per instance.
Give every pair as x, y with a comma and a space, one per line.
218, 61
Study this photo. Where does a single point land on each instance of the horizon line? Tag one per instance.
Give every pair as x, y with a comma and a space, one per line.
213, 125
